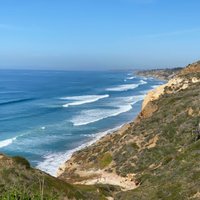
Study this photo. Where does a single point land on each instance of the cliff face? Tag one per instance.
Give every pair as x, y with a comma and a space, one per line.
156, 156
181, 81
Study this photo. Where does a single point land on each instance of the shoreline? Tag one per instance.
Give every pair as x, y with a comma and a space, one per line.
75, 170
117, 130
98, 139
68, 154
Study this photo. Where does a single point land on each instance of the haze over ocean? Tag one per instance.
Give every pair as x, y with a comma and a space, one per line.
98, 34
46, 115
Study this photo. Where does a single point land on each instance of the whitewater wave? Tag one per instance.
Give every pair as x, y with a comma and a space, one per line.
53, 161
126, 87
94, 115
80, 100
121, 88
142, 82
7, 142
130, 78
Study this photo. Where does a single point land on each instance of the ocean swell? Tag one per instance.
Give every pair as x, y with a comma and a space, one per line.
16, 101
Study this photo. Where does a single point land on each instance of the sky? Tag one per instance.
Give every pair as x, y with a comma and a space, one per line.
98, 34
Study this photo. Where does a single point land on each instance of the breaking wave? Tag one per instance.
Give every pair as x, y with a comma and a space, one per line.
7, 142
93, 115
53, 161
80, 100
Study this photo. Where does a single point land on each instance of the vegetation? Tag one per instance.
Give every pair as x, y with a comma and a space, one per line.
163, 74
161, 151
105, 160
18, 181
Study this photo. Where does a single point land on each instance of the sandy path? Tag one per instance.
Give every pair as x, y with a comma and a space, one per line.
100, 176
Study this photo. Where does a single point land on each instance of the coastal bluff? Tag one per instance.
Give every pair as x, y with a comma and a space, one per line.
153, 156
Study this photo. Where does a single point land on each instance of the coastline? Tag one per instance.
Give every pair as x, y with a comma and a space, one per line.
104, 176
83, 168
101, 176
57, 160
135, 160
98, 138
101, 136
67, 155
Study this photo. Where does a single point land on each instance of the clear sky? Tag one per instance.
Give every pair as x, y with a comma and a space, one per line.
98, 34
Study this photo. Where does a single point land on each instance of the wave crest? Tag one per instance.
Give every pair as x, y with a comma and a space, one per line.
80, 100
126, 87
121, 88
7, 142
93, 115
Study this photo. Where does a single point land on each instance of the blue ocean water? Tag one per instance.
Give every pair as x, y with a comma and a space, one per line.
46, 115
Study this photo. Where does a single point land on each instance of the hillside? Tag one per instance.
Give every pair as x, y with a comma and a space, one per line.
163, 74
18, 181
155, 157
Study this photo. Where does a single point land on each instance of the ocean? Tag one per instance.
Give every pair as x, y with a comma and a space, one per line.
47, 115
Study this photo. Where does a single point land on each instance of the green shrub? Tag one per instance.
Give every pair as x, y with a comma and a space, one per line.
105, 160
22, 161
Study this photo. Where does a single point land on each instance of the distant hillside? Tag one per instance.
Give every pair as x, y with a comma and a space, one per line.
163, 74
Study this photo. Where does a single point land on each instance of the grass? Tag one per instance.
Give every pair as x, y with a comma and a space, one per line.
105, 160
18, 181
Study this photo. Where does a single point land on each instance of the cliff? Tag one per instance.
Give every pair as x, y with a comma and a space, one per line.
154, 157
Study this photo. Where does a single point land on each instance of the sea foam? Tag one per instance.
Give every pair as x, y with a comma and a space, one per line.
124, 104
7, 142
126, 87
53, 161
94, 115
80, 100
130, 78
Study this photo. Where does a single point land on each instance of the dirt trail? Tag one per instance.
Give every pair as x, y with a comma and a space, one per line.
100, 176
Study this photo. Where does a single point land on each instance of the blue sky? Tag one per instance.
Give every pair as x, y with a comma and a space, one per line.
98, 34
